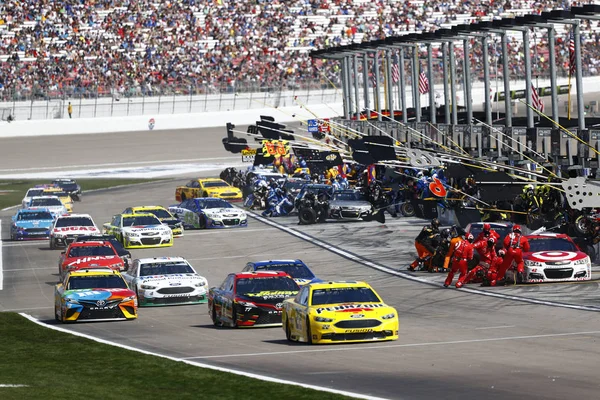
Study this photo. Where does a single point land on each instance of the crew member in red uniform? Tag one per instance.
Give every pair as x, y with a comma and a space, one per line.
515, 245
487, 255
461, 255
492, 273
487, 233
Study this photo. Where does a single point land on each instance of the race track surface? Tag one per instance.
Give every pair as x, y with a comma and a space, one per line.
454, 344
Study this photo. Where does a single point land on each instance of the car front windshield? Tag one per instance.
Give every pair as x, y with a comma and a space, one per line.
213, 203
48, 202
245, 286
89, 251
74, 221
344, 295
349, 196
32, 216
502, 230
141, 220
215, 184
551, 244
55, 193
166, 268
34, 192
297, 271
159, 213
96, 282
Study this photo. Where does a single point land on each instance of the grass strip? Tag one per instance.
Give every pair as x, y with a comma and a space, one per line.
56, 365
13, 191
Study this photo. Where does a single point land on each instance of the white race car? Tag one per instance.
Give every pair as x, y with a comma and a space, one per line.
162, 281
52, 203
36, 191
552, 257
209, 213
66, 228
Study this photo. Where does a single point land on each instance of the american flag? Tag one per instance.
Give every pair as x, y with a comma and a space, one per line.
536, 101
395, 73
423, 83
572, 64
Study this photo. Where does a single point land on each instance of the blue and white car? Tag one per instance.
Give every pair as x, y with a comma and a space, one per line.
208, 213
51, 203
31, 224
299, 271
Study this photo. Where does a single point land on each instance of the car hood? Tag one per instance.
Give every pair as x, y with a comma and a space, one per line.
93, 261
225, 211
269, 296
146, 228
349, 203
77, 229
170, 279
555, 256
94, 295
345, 310
169, 221
41, 223
222, 189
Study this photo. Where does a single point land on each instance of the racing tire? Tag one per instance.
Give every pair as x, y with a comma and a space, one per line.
213, 316
234, 318
52, 244
56, 318
205, 194
288, 331
307, 216
309, 339
408, 210
202, 222
582, 225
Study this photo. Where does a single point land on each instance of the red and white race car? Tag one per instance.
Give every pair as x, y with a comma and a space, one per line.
553, 257
81, 255
67, 227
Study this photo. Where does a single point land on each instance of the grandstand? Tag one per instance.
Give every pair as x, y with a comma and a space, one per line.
86, 48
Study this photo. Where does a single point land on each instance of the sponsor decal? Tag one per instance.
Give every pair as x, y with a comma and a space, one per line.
273, 293
358, 330
357, 316
75, 228
93, 258
554, 255
350, 307
151, 123
275, 148
248, 155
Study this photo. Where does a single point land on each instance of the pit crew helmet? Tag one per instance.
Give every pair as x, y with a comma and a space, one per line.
517, 228
470, 237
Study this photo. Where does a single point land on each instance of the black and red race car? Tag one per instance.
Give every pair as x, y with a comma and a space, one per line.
247, 299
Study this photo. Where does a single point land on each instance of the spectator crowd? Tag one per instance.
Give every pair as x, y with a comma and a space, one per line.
145, 47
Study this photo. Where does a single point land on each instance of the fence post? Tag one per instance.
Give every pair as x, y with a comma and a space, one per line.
143, 101
112, 102
234, 96
191, 100
205, 97
96, 101
159, 96
128, 101
220, 98
31, 108
173, 112
47, 106
250, 103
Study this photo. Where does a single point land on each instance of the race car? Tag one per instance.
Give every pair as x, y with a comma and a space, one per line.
349, 205
334, 312
161, 281
139, 231
552, 257
62, 195
247, 299
52, 203
67, 227
208, 212
70, 186
161, 213
299, 271
31, 192
121, 251
29, 224
94, 294
210, 187
81, 255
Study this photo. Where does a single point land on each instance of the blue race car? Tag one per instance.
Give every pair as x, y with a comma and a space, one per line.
30, 224
209, 212
294, 268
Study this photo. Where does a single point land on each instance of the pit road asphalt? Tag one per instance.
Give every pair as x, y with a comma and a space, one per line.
453, 344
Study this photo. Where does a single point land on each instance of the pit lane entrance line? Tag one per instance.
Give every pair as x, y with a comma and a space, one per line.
202, 365
380, 267
466, 341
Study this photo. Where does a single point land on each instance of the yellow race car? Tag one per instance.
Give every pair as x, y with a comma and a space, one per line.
64, 197
338, 312
209, 187
161, 213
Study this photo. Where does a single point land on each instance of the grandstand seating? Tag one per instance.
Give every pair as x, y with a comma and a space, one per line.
146, 46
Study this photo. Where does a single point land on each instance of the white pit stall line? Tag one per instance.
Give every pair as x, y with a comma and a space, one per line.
356, 258
202, 365
385, 347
